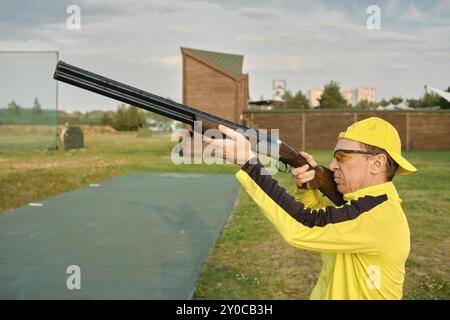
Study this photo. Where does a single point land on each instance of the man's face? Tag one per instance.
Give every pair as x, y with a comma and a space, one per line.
352, 170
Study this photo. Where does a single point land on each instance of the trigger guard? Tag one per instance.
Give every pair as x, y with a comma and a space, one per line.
286, 167
278, 166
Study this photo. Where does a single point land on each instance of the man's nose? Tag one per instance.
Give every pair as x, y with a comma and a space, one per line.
333, 165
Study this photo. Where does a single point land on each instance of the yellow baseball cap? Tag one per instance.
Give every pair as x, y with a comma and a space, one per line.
379, 133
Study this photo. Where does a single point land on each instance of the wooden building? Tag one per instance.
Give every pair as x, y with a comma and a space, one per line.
213, 82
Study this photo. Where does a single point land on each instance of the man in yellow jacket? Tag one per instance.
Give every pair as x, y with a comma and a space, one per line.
364, 243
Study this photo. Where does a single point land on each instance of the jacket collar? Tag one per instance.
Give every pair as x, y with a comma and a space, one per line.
387, 188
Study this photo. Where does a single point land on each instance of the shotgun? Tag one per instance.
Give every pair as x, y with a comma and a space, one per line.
113, 89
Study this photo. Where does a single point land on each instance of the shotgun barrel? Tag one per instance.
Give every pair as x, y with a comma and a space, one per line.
116, 90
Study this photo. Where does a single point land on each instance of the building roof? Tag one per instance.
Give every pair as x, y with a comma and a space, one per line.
390, 107
443, 94
228, 63
265, 102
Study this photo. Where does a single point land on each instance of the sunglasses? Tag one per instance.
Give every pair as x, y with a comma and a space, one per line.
342, 154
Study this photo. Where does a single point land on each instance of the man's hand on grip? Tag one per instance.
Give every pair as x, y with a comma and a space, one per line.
303, 175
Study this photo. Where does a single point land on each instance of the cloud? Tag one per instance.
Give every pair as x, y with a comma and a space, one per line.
172, 6
259, 13
310, 42
113, 7
137, 7
338, 36
414, 15
167, 62
287, 63
21, 18
186, 29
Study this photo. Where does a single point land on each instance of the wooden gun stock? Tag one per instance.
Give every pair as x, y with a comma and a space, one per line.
323, 180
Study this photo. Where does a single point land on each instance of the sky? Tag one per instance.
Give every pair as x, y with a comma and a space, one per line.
306, 43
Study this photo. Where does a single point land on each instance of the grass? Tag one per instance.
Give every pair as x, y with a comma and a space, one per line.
28, 175
249, 260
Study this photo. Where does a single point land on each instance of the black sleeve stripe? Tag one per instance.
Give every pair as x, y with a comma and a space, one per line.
305, 216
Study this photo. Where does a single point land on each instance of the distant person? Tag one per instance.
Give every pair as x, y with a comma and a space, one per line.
364, 243
63, 132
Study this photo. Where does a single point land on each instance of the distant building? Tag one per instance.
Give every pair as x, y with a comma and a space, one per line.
265, 104
368, 93
157, 126
278, 89
314, 94
353, 97
348, 95
213, 82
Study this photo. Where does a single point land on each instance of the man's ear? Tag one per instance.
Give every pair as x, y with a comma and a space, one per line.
378, 165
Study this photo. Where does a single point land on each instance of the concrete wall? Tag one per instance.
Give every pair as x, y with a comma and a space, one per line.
319, 129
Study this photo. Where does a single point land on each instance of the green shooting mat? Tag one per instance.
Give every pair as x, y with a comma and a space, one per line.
137, 236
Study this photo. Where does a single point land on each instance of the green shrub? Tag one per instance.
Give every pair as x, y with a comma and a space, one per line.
128, 118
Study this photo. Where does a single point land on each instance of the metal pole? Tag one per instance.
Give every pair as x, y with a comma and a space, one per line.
426, 92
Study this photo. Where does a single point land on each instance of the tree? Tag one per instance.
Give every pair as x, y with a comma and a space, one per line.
135, 118
426, 101
14, 108
331, 97
106, 120
414, 103
297, 101
366, 105
128, 119
430, 100
444, 104
36, 107
384, 103
301, 102
288, 99
396, 100
119, 120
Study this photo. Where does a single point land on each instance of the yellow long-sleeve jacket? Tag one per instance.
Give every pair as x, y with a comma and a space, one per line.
364, 243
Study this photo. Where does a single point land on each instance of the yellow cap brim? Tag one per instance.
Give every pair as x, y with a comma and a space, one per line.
404, 166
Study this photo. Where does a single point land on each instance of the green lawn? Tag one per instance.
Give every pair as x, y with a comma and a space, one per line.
249, 260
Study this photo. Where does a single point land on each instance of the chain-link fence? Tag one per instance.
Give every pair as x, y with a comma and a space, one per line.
28, 99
